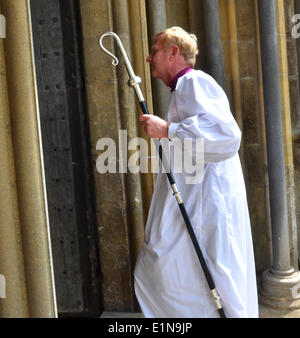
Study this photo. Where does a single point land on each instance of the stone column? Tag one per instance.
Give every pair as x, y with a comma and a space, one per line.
28, 160
214, 51
297, 11
157, 22
128, 119
11, 256
139, 43
281, 277
286, 105
232, 83
297, 124
111, 107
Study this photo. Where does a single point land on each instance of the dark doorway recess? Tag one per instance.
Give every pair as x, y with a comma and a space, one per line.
60, 85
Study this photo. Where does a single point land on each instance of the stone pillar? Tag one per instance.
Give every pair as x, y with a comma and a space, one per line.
232, 83
214, 51
128, 119
295, 86
28, 160
157, 22
297, 11
276, 282
287, 126
11, 256
139, 43
111, 107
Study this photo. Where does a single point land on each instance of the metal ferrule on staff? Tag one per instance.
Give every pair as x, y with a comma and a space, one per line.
134, 82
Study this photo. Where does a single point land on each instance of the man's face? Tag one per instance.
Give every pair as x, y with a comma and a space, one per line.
159, 60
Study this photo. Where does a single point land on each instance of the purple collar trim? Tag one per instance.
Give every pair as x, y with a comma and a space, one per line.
173, 83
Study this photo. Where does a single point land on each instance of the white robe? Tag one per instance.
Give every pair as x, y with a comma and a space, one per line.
169, 281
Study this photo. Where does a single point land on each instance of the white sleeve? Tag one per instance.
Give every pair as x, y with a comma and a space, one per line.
203, 111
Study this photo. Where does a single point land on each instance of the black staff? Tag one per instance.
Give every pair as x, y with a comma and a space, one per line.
134, 82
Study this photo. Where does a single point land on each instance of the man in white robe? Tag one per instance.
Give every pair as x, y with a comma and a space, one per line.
169, 281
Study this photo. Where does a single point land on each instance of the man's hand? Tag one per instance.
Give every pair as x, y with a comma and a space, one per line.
154, 126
